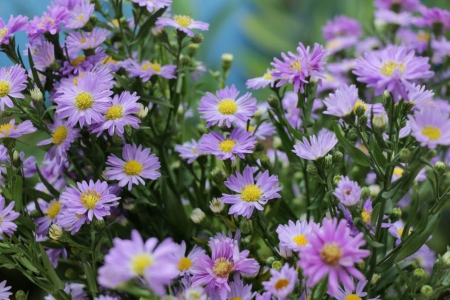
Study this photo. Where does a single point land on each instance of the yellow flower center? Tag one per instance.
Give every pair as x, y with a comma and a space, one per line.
433, 133
3, 32
331, 253
227, 145
227, 107
183, 21
132, 168
358, 104
333, 44
53, 210
184, 264
296, 65
114, 112
268, 76
222, 267
398, 171
251, 193
281, 283
236, 298
59, 135
156, 67
251, 128
79, 18
300, 240
352, 297
141, 262
5, 129
5, 87
80, 59
90, 198
423, 36
388, 68
109, 59
45, 20
115, 22
84, 100
83, 41
366, 215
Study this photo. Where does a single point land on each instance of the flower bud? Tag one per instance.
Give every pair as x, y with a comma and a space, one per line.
379, 122
217, 176
419, 274
143, 111
55, 232
312, 170
270, 260
328, 161
9, 143
440, 167
197, 39
446, 259
273, 101
128, 130
259, 147
36, 95
192, 49
265, 162
216, 205
430, 154
352, 135
197, 216
98, 224
227, 60
374, 190
337, 157
277, 265
277, 143
245, 227
21, 295
185, 60
405, 155
55, 66
396, 214
375, 279
117, 140
365, 193
70, 273
336, 179
16, 159
360, 110
426, 290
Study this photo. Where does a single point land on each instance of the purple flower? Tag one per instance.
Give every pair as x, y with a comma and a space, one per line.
251, 194
63, 136
225, 258
76, 41
185, 262
11, 130
12, 82
84, 102
430, 127
147, 69
14, 25
403, 19
346, 293
53, 255
298, 68
7, 216
239, 290
434, 18
75, 290
293, 236
411, 5
137, 164
342, 102
261, 131
48, 23
182, 23
340, 43
261, 82
136, 259
317, 146
411, 40
119, 114
281, 283
225, 107
238, 143
50, 210
80, 64
189, 151
333, 252
420, 97
392, 69
70, 220
79, 15
425, 258
293, 113
44, 56
154, 4
348, 192
93, 199
4, 294
341, 26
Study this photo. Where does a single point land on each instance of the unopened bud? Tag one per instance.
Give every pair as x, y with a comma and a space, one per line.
328, 160
197, 216
352, 135
70, 273
245, 227
36, 95
273, 101
277, 265
143, 111
277, 143
312, 170
374, 190
201, 129
265, 162
216, 205
192, 49
396, 214
185, 60
365, 193
440, 167
336, 179
118, 140
55, 66
91, 23
379, 122
430, 154
259, 147
375, 279
446, 259
217, 176
16, 158
427, 291
405, 155
360, 110
337, 157
98, 224
270, 260
227, 60
55, 232
419, 274
197, 39
9, 143
21, 295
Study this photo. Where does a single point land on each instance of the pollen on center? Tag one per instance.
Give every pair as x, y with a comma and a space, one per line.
132, 168
227, 107
251, 193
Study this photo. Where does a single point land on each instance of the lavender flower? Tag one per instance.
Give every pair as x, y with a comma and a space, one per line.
79, 15
434, 18
317, 146
399, 5
261, 82
153, 5
341, 26
76, 41
348, 192
50, 210
14, 24
7, 216
147, 69
185, 262
281, 283
189, 151
12, 82
342, 102
44, 56
49, 22
402, 19
430, 127
4, 294
346, 293
239, 290
75, 290
293, 236
182, 23
11, 130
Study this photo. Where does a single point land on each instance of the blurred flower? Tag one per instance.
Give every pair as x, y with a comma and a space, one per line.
153, 5
216, 205
434, 17
411, 5
239, 290
317, 146
77, 41
341, 26
4, 294
75, 290
182, 23
197, 215
281, 283
346, 293
429, 127
12, 82
48, 23
147, 69
390, 17
14, 24
50, 210
189, 151
7, 216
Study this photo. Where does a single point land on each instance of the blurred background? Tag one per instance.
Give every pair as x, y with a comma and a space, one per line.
254, 31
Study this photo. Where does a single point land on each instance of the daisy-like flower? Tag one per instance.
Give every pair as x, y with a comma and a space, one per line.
63, 135
281, 283
297, 68
392, 69
75, 290
225, 107
12, 82
44, 56
156, 264
153, 5
293, 113
430, 127
346, 293
182, 23
425, 258
225, 258
251, 194
119, 114
14, 24
185, 262
216, 205
342, 102
189, 151
78, 64
419, 96
11, 130
50, 210
4, 294
238, 143
239, 290
398, 5
293, 235
261, 131
396, 229
70, 220
333, 252
402, 19
79, 16
261, 82
147, 69
76, 41
49, 22
7, 216
317, 146
341, 26
93, 199
434, 18
137, 164
84, 102
348, 191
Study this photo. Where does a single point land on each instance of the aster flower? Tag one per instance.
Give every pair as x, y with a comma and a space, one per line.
49, 22
77, 41
419, 96
261, 82
434, 18
238, 143
317, 146
29, 165
239, 290
70, 220
7, 216
14, 24
430, 127
281, 283
84, 102
54, 254
225, 258
225, 107
251, 194
348, 191
396, 229
340, 43
91, 198
425, 258
216, 205
342, 102
346, 293
185, 262
50, 210
392, 69
11, 130
147, 69
119, 114
156, 264
261, 131
75, 290
4, 294
154, 5
402, 18
137, 164
341, 26
417, 41
293, 235
182, 23
411, 5
78, 64
333, 252
44, 56
79, 15
293, 113
63, 135
12, 82
297, 68
189, 151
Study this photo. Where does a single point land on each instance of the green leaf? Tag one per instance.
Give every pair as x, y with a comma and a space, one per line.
17, 192
373, 243
90, 277
156, 101
145, 28
375, 213
378, 156
388, 277
357, 155
37, 194
36, 79
124, 82
49, 187
228, 223
48, 268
